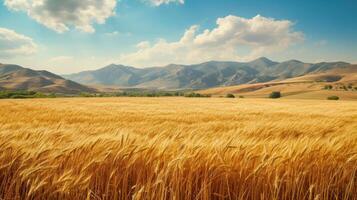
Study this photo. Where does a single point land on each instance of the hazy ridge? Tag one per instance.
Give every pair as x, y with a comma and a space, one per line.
201, 76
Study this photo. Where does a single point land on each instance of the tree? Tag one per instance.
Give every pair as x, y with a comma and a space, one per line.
230, 96
335, 98
275, 95
328, 87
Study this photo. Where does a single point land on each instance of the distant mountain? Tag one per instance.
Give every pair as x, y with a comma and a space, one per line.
341, 79
200, 76
14, 77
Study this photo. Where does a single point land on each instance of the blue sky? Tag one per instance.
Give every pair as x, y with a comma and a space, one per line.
68, 36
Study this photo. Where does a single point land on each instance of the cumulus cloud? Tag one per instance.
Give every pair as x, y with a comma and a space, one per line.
60, 15
160, 2
117, 33
234, 38
13, 44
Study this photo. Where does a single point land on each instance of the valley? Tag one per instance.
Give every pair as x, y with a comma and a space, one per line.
255, 79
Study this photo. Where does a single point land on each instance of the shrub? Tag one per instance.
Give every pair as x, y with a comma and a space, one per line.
4, 95
275, 95
19, 94
86, 94
328, 87
197, 95
20, 97
230, 96
333, 98
241, 97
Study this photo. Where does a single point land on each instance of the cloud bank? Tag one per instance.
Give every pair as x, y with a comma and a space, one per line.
160, 2
13, 44
60, 15
234, 38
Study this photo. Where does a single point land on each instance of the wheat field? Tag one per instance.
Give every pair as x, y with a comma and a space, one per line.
177, 148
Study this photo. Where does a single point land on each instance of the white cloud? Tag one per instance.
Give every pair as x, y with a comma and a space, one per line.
13, 44
60, 15
258, 36
117, 33
160, 2
112, 34
143, 45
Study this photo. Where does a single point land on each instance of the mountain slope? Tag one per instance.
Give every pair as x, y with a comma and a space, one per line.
14, 77
342, 79
201, 76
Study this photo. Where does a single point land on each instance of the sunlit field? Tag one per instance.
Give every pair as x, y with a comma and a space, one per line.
178, 148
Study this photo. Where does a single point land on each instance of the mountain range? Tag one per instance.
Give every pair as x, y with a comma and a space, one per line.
14, 77
213, 74
201, 76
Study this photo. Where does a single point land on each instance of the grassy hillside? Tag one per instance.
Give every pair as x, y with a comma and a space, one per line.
312, 86
14, 77
177, 148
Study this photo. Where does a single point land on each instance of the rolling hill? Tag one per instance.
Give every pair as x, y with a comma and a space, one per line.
258, 78
14, 77
342, 80
202, 76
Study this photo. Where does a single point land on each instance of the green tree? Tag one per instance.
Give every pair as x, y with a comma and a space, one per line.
230, 96
328, 87
275, 95
335, 98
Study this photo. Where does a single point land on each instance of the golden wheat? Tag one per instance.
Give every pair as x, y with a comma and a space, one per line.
177, 148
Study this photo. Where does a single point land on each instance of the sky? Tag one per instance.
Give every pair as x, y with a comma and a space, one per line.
70, 36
